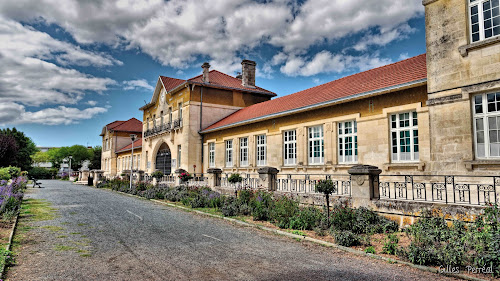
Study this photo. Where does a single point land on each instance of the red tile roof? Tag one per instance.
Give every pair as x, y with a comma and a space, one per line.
402, 72
171, 83
220, 79
114, 124
131, 125
137, 144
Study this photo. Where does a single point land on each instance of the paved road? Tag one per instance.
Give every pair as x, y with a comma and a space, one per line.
102, 235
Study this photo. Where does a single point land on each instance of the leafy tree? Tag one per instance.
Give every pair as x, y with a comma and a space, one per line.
40, 157
326, 187
8, 150
79, 153
25, 148
95, 162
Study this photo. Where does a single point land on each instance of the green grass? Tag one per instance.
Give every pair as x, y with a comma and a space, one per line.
37, 210
212, 211
60, 247
75, 233
82, 224
62, 236
53, 228
298, 232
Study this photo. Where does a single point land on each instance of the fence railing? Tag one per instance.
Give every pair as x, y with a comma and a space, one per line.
198, 180
167, 127
168, 178
249, 181
469, 190
306, 183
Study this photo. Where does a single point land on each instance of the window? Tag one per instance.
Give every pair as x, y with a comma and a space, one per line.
487, 125
180, 111
123, 163
211, 155
261, 150
348, 142
316, 145
244, 152
147, 124
179, 156
290, 147
484, 19
161, 118
229, 153
169, 115
404, 134
138, 161
154, 120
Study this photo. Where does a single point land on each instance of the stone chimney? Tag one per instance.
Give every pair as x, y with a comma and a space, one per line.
206, 70
248, 73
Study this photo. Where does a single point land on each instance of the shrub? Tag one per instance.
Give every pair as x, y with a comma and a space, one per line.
230, 207
346, 238
306, 219
157, 174
9, 172
343, 218
370, 250
185, 177
235, 178
40, 173
245, 195
283, 210
261, 203
390, 244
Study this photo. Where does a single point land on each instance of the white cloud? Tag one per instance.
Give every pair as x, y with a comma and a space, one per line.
384, 37
327, 62
403, 56
27, 75
12, 113
137, 84
92, 102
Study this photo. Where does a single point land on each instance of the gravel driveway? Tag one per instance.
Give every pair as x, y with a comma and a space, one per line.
103, 235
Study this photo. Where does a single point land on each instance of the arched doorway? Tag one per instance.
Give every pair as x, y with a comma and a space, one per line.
164, 159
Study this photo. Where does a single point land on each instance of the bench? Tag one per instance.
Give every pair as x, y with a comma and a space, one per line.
35, 182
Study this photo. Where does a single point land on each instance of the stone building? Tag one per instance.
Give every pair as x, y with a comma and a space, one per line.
436, 113
115, 140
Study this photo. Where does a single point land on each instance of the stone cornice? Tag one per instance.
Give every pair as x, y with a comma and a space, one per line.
443, 100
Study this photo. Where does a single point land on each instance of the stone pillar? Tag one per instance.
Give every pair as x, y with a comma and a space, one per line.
140, 175
178, 172
79, 175
214, 177
267, 176
364, 184
98, 176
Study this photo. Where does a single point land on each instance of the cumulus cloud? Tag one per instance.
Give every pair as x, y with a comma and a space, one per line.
12, 113
137, 84
384, 37
92, 102
327, 62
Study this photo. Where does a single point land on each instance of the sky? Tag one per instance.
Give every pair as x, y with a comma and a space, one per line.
69, 67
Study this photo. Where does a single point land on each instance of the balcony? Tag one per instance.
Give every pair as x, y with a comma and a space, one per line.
165, 128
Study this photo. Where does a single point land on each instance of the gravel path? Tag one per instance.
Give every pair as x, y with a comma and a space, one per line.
102, 235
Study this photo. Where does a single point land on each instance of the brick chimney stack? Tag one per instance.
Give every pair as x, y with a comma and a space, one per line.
248, 73
206, 70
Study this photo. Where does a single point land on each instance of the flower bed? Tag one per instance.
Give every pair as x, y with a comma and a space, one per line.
430, 241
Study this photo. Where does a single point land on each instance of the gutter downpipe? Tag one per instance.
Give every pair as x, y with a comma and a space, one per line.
201, 125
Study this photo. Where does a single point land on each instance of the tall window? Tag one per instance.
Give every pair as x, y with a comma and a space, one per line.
179, 156
290, 147
161, 118
484, 19
261, 150
170, 115
138, 161
123, 163
211, 155
348, 142
154, 120
180, 111
243, 152
316, 145
404, 134
487, 125
147, 123
229, 153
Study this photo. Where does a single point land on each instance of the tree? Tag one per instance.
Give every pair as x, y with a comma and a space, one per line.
79, 153
40, 157
26, 148
8, 150
95, 162
326, 187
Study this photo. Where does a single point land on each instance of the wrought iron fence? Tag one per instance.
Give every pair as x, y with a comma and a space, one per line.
306, 183
469, 190
249, 181
167, 127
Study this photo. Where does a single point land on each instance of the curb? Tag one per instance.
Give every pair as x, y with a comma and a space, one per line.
309, 239
9, 245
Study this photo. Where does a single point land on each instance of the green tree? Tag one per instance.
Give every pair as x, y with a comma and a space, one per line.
26, 148
95, 162
79, 153
40, 157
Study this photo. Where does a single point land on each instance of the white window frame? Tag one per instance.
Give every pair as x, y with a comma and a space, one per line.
180, 111
290, 147
480, 15
484, 118
411, 128
347, 152
315, 144
261, 151
244, 152
229, 153
179, 153
211, 154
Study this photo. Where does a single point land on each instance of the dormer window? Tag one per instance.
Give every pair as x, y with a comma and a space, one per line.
484, 19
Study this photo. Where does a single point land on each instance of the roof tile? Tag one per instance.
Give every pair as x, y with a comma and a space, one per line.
137, 144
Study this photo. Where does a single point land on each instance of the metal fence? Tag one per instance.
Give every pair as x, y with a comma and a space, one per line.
306, 183
249, 181
468, 190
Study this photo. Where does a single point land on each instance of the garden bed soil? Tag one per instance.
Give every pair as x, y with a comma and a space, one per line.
5, 229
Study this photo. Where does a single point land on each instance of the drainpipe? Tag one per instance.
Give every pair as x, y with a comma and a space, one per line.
201, 125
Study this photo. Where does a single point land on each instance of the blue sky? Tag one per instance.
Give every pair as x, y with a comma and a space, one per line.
69, 67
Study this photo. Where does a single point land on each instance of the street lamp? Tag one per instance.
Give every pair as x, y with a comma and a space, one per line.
69, 170
132, 137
